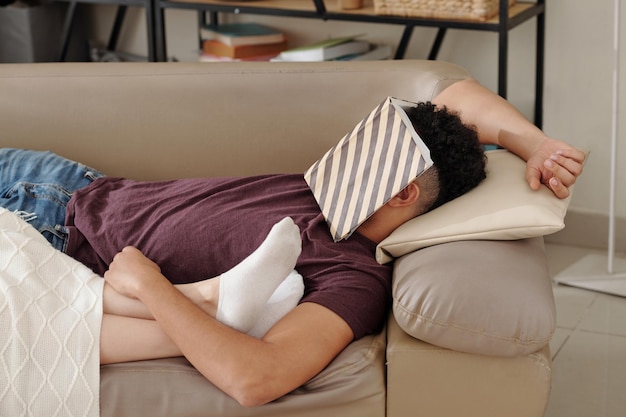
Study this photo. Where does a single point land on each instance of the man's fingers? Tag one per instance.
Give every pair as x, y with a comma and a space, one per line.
573, 163
533, 176
565, 169
557, 187
573, 154
556, 177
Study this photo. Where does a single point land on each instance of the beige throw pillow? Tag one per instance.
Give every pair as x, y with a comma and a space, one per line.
502, 207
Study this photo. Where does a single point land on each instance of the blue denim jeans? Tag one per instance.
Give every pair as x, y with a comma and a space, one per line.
38, 185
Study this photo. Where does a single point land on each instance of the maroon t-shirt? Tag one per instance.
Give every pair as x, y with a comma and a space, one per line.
198, 228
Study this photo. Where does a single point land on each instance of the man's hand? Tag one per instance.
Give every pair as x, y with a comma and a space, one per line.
555, 164
549, 161
130, 271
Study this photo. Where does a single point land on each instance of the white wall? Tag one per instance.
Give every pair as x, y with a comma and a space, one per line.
578, 71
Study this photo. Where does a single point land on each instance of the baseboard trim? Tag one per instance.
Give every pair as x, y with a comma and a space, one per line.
590, 230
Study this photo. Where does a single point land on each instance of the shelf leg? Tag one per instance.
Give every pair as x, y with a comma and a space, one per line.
201, 23
320, 7
149, 10
159, 33
117, 26
404, 42
434, 50
67, 30
503, 57
503, 47
539, 68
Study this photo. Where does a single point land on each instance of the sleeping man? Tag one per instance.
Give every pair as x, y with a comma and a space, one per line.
156, 243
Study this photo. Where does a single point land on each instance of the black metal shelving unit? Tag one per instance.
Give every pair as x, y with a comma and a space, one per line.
122, 6
507, 19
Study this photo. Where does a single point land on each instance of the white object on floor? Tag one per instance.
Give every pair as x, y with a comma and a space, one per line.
588, 274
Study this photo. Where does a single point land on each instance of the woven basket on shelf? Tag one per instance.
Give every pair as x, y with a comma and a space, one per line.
479, 10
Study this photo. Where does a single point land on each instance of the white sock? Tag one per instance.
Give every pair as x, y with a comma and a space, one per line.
246, 288
285, 298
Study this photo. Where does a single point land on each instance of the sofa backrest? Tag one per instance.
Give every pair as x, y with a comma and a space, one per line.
169, 120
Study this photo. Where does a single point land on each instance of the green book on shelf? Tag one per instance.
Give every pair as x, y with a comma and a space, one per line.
236, 34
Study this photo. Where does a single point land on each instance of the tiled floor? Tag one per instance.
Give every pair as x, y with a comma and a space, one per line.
588, 349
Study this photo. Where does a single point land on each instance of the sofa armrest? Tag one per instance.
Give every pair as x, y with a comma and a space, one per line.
484, 297
426, 380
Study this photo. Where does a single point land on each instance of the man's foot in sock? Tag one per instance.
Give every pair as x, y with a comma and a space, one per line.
245, 289
285, 298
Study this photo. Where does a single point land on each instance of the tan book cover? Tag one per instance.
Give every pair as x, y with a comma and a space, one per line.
213, 47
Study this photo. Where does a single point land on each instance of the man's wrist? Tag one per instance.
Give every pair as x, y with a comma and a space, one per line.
524, 145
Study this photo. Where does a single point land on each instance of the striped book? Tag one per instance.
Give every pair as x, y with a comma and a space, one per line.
368, 167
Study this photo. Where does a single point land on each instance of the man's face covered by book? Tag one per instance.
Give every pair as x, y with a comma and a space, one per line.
368, 167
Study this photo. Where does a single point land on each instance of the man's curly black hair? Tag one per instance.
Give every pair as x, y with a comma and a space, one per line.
459, 158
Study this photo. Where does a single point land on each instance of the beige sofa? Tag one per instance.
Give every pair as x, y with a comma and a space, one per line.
158, 121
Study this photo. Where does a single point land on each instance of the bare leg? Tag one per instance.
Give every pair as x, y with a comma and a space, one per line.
205, 294
125, 339
285, 298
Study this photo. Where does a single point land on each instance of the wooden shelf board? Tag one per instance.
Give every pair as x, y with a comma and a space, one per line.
332, 6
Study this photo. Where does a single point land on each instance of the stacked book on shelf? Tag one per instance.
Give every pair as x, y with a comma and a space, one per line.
241, 42
257, 42
344, 48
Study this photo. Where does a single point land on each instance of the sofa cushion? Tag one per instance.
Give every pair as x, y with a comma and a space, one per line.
502, 207
352, 385
485, 297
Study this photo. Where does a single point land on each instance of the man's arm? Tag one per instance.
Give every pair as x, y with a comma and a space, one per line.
549, 161
250, 370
